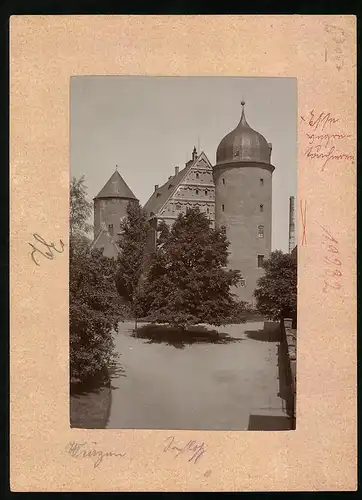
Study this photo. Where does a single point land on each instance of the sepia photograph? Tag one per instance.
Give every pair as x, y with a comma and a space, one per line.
182, 253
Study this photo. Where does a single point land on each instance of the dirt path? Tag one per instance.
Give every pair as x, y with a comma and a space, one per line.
199, 386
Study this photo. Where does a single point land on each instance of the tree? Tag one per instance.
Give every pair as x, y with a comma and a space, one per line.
187, 282
80, 207
135, 232
276, 292
94, 312
94, 308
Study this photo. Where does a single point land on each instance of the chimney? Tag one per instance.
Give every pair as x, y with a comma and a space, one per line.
177, 169
291, 224
156, 187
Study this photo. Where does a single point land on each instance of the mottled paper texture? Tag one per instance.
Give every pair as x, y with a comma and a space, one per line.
320, 51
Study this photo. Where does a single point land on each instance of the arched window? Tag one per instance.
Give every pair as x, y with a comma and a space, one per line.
197, 175
242, 282
178, 207
197, 191
262, 182
223, 208
223, 181
261, 231
205, 192
261, 208
110, 229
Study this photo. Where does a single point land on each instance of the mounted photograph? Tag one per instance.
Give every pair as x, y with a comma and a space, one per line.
183, 253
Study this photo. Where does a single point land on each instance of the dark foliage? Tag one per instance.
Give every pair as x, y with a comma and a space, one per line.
187, 282
276, 292
130, 265
94, 307
94, 311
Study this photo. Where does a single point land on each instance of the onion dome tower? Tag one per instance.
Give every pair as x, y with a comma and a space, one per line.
243, 183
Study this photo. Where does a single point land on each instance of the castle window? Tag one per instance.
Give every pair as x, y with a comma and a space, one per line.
260, 231
208, 210
223, 181
197, 191
223, 208
242, 282
178, 207
261, 208
197, 175
110, 229
260, 260
262, 182
206, 192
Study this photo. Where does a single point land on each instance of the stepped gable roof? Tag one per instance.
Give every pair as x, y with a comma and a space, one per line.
116, 187
160, 196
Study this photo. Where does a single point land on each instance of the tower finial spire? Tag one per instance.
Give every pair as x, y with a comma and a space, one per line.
116, 168
243, 119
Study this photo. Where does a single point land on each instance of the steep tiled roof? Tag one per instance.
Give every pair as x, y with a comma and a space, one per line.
163, 193
104, 232
116, 187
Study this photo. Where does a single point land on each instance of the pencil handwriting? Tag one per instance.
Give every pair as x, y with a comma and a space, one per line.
46, 249
192, 449
78, 449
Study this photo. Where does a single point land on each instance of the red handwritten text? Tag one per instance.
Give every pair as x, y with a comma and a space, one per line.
332, 273
323, 141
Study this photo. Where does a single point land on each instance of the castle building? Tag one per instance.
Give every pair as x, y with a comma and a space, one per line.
191, 187
243, 201
110, 207
236, 192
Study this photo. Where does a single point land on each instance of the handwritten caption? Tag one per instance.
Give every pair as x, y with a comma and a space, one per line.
334, 49
192, 450
84, 450
78, 449
326, 140
45, 249
333, 271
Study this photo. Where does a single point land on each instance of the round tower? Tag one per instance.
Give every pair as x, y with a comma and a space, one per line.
243, 191
110, 205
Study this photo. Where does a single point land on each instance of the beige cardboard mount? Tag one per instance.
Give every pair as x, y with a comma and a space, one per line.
320, 51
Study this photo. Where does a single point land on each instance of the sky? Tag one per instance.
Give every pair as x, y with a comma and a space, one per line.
149, 125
